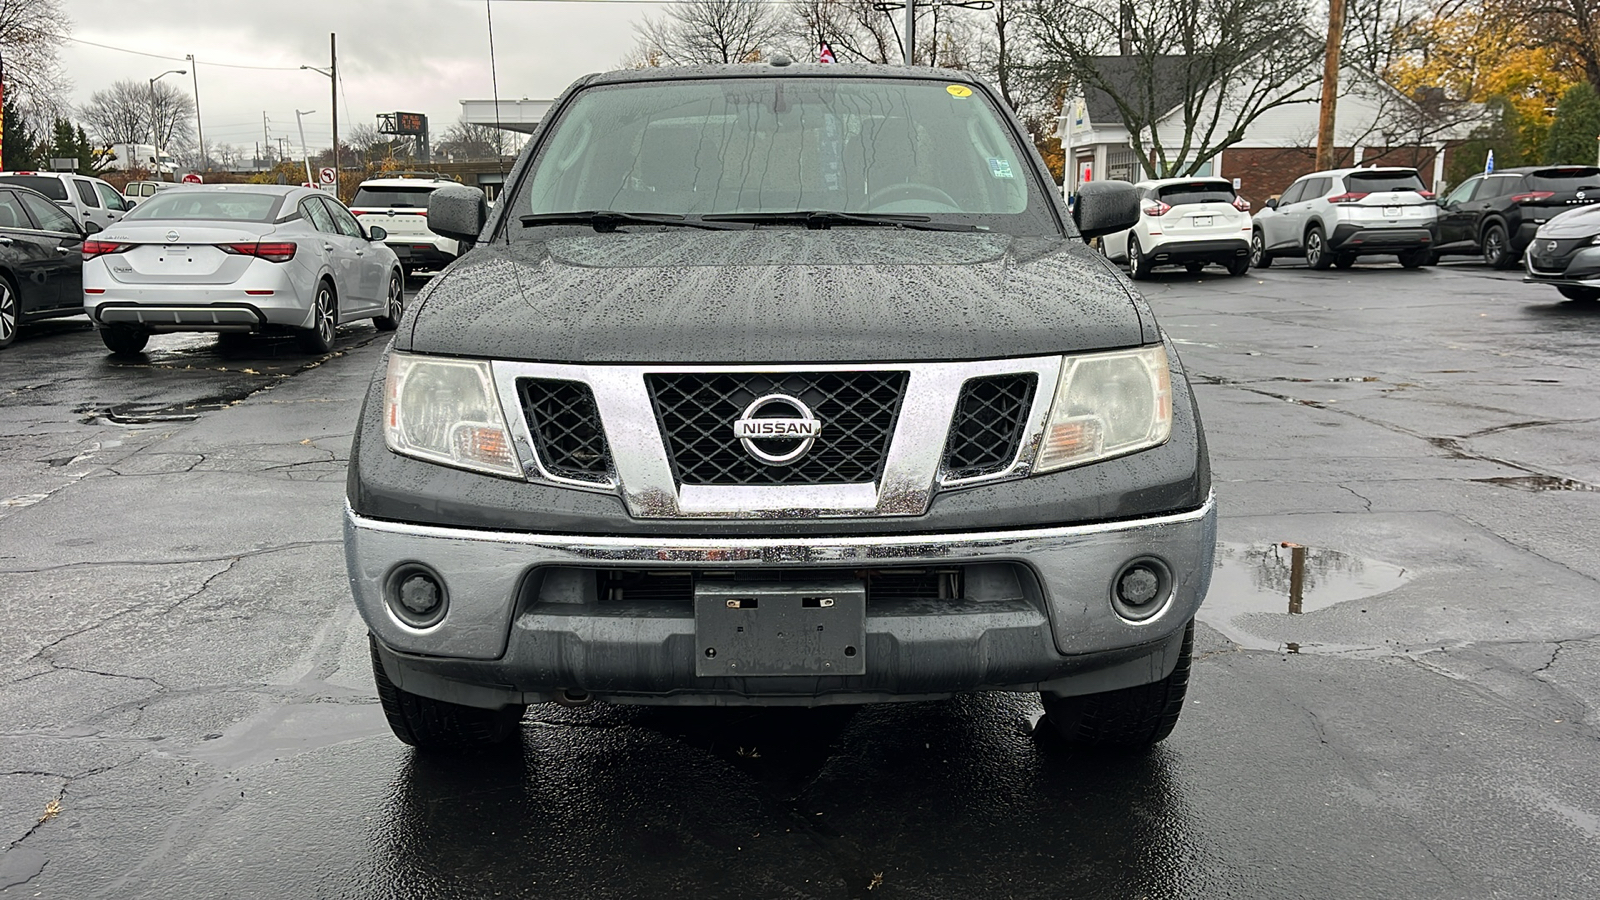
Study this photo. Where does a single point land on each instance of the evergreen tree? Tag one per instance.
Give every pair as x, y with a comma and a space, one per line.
1501, 133
87, 164
64, 141
1573, 134
22, 146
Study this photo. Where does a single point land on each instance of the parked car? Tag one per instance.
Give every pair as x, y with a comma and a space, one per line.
1565, 253
1185, 222
134, 191
400, 206
1332, 218
238, 259
40, 260
85, 199
1496, 215
780, 384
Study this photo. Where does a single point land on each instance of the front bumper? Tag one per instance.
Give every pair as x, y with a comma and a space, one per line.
1348, 238
501, 643
1580, 267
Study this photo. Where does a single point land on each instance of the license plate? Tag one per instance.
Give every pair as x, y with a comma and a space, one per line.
754, 628
1392, 212
1202, 221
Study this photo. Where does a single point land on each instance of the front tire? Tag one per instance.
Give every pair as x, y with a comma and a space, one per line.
1496, 248
429, 724
1138, 264
1317, 255
1416, 259
396, 305
1239, 266
1135, 718
324, 318
10, 315
1344, 260
124, 341
1259, 257
1581, 294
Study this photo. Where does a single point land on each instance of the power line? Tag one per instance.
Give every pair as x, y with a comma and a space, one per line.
186, 59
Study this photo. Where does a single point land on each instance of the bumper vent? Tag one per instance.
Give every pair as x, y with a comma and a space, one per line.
566, 429
991, 416
857, 411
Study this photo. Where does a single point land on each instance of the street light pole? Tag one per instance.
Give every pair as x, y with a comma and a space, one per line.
332, 74
304, 153
194, 68
155, 128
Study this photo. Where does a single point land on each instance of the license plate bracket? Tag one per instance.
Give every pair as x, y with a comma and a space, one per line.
1392, 212
1202, 221
770, 628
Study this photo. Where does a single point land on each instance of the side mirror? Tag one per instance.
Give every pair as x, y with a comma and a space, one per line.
1272, 203
1104, 207
92, 227
376, 233
130, 202
457, 212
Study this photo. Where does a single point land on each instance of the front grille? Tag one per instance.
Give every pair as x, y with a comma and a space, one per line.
857, 411
677, 587
566, 429
991, 416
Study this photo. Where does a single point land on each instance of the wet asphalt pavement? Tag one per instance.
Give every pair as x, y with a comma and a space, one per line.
186, 707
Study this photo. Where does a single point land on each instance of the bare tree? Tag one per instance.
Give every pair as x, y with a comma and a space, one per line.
701, 32
855, 29
31, 33
471, 140
131, 112
1207, 71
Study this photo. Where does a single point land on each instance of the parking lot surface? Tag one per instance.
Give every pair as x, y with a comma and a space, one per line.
1395, 691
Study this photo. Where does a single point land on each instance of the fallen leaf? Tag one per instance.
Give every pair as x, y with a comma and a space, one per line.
877, 879
51, 810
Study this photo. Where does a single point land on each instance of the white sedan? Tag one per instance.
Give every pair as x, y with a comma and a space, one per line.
239, 259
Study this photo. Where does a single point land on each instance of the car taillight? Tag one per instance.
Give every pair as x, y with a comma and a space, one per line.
276, 251
91, 249
1532, 196
1157, 210
1241, 204
1350, 197
1426, 195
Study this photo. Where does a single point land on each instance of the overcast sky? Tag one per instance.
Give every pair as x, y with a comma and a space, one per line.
412, 55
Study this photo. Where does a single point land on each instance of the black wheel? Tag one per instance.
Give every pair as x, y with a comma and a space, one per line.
1133, 718
1496, 249
124, 341
1259, 257
9, 314
1138, 263
1194, 268
1416, 259
1575, 292
429, 724
1344, 260
1317, 255
1239, 265
324, 318
396, 305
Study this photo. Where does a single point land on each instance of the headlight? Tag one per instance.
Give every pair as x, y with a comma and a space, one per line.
444, 411
1107, 404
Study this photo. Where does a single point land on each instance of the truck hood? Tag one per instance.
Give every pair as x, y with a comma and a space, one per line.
777, 295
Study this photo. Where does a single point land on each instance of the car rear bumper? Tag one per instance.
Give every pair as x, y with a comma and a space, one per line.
1211, 250
222, 315
506, 638
1348, 238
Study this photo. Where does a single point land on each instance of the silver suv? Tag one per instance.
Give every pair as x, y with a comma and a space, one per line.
89, 201
1331, 218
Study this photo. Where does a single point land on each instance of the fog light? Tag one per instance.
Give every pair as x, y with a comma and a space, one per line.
417, 595
1142, 589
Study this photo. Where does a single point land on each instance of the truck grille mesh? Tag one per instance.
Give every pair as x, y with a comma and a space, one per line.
857, 411
566, 429
991, 415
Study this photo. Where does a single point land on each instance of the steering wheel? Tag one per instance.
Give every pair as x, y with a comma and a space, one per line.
909, 190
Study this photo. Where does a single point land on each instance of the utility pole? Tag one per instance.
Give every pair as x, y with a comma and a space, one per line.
1330, 85
266, 138
194, 69
333, 63
304, 153
911, 32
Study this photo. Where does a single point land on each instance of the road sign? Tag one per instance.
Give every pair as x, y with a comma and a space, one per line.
193, 178
327, 175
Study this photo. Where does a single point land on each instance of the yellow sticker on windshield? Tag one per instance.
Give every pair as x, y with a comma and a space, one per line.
959, 90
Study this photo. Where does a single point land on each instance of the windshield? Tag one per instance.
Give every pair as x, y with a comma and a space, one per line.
1374, 182
784, 145
50, 187
231, 206
392, 197
1561, 180
1196, 192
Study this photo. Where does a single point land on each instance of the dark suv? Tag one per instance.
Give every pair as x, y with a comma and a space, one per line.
785, 385
1496, 215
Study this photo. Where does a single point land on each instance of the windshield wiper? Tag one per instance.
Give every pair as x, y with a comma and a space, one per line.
607, 220
819, 219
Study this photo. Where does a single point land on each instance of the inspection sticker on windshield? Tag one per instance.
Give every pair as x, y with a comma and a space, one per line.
959, 90
1000, 168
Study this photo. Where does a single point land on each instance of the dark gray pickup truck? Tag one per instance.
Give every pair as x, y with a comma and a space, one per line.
779, 384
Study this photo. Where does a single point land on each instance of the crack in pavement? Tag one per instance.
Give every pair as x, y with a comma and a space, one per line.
177, 561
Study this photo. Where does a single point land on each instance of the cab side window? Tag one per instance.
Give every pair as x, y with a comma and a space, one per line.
113, 200
1317, 188
1293, 194
317, 214
1462, 193
47, 216
342, 219
86, 193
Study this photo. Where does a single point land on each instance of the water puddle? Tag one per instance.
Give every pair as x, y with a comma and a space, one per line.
1268, 586
1540, 483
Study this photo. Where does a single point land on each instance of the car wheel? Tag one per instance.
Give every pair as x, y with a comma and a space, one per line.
1416, 259
124, 341
429, 724
1582, 294
1259, 257
324, 318
1138, 263
9, 315
1496, 249
1238, 266
1344, 260
396, 306
1317, 255
1133, 718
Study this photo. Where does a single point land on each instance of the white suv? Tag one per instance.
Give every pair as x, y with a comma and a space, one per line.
1333, 217
89, 201
400, 207
1185, 222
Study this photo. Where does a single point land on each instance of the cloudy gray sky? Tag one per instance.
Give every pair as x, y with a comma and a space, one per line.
412, 55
